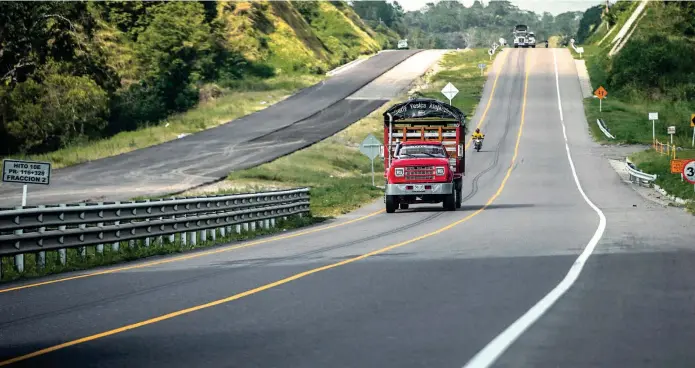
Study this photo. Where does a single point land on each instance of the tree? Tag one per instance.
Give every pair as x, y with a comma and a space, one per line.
59, 110
176, 52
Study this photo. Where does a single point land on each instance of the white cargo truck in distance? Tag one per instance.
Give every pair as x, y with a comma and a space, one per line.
521, 36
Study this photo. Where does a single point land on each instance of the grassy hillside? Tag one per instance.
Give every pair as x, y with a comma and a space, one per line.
150, 71
653, 72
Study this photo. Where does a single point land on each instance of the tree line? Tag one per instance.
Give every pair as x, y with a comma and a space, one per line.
60, 85
450, 24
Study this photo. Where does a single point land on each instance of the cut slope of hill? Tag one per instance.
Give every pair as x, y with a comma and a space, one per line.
135, 64
652, 72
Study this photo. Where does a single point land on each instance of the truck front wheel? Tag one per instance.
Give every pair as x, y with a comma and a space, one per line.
391, 204
459, 189
450, 201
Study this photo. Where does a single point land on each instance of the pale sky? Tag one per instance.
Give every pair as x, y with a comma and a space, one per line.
554, 7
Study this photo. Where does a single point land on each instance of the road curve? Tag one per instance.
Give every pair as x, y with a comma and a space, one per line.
210, 155
416, 288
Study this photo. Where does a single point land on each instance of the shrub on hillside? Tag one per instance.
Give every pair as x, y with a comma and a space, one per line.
655, 64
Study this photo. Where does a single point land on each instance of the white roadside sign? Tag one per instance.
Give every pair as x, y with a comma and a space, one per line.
371, 147
653, 116
672, 129
26, 172
450, 91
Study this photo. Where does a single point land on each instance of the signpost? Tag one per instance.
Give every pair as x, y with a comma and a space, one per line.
450, 91
671, 131
692, 125
601, 93
481, 66
371, 147
26, 172
653, 116
580, 50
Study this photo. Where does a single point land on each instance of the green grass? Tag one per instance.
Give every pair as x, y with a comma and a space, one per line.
653, 162
242, 98
76, 262
628, 120
340, 176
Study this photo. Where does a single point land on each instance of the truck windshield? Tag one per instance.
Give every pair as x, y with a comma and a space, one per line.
421, 151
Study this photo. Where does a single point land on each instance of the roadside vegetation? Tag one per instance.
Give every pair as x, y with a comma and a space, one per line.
81, 81
340, 176
85, 80
653, 72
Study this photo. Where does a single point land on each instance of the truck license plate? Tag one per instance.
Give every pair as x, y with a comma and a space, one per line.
418, 188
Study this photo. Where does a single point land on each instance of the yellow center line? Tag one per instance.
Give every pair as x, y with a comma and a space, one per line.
190, 256
245, 245
296, 276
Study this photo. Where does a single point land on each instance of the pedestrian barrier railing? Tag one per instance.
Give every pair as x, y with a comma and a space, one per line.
604, 129
665, 148
637, 176
38, 229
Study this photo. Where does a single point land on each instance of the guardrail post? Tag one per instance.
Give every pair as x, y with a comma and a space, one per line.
183, 239
193, 239
272, 222
204, 236
172, 237
253, 225
223, 231
41, 255
116, 245
160, 239
83, 250
19, 258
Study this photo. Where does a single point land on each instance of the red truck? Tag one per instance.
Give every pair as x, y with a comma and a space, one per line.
424, 156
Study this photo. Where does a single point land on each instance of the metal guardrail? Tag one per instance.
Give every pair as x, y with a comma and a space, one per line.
637, 176
604, 129
42, 228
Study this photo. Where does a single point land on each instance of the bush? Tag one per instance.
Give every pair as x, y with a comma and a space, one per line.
654, 63
60, 109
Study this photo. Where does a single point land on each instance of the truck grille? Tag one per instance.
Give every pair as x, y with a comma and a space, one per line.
419, 173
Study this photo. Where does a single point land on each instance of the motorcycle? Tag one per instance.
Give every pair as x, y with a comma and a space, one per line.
478, 144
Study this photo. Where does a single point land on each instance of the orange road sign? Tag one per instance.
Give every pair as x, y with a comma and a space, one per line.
692, 121
601, 93
678, 165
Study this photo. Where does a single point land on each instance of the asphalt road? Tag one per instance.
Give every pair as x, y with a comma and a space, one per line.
210, 155
418, 288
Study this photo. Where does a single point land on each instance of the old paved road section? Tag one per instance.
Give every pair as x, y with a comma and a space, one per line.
210, 155
419, 288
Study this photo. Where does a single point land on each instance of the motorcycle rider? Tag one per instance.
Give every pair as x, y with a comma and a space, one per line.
478, 135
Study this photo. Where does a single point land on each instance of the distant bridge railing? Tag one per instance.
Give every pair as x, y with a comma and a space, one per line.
57, 227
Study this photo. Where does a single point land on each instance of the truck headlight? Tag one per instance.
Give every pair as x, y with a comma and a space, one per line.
440, 171
399, 171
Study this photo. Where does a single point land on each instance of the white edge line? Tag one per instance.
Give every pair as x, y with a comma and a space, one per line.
493, 350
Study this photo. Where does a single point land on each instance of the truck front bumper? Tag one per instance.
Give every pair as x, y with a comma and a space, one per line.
419, 189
